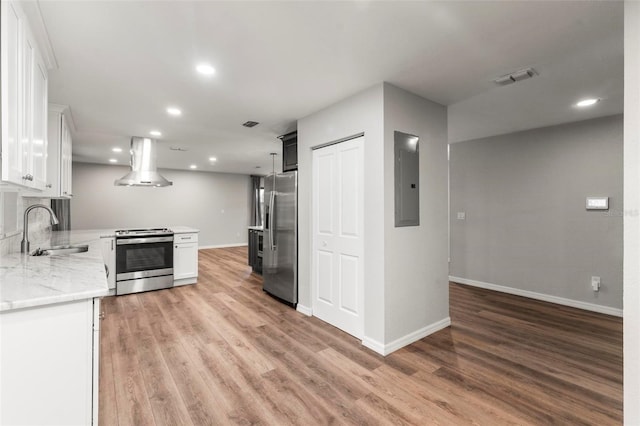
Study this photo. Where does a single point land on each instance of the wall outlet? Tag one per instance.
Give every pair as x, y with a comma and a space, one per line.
595, 283
462, 215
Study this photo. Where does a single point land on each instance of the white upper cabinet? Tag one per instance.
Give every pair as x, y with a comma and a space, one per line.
10, 47
58, 184
24, 85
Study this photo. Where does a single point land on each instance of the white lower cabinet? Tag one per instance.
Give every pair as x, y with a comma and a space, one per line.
49, 357
185, 259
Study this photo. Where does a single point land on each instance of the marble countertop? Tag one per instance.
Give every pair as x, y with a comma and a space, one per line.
182, 229
29, 281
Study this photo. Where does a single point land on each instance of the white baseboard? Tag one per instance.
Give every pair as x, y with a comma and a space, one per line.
304, 310
185, 281
540, 296
408, 339
222, 246
374, 345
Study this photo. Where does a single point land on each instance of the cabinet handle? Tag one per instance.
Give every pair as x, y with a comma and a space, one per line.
27, 177
48, 185
176, 246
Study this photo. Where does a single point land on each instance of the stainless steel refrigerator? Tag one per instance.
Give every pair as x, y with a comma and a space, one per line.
280, 248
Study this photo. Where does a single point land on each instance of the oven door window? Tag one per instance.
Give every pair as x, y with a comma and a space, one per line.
144, 257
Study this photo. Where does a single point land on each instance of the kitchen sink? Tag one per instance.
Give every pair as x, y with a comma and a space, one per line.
67, 249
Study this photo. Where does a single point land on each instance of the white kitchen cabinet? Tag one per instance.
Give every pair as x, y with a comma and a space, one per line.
48, 364
185, 258
24, 84
59, 164
109, 257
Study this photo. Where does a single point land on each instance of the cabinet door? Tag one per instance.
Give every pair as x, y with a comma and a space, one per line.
66, 165
12, 161
252, 248
39, 125
24, 101
46, 360
26, 105
185, 260
290, 154
109, 257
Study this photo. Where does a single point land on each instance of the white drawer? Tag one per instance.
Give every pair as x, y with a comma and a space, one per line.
185, 238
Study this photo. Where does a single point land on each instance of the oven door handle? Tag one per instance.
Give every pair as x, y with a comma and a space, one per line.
123, 241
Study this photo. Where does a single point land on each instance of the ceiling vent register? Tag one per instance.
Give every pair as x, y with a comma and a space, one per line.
250, 123
515, 76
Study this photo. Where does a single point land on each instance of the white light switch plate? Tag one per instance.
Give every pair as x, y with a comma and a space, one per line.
597, 203
462, 215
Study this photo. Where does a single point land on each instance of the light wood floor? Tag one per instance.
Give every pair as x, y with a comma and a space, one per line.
223, 352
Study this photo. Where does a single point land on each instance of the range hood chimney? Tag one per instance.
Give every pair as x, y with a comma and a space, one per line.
143, 165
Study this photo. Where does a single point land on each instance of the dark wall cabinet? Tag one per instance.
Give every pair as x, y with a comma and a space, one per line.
289, 151
255, 250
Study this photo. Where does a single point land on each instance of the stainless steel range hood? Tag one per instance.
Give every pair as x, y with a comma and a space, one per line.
143, 165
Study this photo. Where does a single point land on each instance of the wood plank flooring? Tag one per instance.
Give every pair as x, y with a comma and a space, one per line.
223, 352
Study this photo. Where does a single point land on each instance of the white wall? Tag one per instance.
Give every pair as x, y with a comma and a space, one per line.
360, 113
416, 269
215, 203
632, 213
526, 225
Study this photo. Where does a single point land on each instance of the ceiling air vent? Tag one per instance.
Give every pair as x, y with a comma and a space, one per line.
515, 76
250, 124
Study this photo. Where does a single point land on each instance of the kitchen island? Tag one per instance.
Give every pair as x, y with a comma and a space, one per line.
50, 333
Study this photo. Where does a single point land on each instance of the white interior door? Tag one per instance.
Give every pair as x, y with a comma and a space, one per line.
338, 224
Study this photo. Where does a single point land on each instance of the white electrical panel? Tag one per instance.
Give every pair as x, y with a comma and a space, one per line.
597, 203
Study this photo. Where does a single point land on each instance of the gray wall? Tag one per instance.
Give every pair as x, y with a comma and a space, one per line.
526, 224
215, 203
359, 113
415, 272
406, 285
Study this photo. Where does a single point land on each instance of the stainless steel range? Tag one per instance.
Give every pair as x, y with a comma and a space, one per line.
144, 260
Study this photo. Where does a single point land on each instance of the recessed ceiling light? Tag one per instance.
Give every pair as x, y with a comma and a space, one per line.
213, 159
205, 69
116, 149
174, 111
113, 160
193, 166
587, 102
155, 133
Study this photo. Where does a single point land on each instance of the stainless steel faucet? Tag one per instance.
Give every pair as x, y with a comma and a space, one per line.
24, 245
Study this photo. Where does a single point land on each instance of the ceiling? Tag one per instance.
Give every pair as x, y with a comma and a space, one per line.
121, 64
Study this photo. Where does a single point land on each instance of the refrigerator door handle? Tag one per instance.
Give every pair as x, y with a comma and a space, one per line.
271, 215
